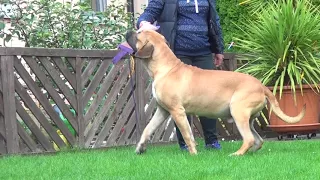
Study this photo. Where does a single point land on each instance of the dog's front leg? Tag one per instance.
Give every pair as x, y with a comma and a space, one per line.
159, 116
181, 120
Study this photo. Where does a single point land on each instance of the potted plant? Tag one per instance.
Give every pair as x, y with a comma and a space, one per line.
282, 46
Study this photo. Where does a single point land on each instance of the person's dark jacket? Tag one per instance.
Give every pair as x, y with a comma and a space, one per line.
165, 13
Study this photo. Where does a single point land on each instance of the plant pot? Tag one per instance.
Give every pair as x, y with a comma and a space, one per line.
310, 122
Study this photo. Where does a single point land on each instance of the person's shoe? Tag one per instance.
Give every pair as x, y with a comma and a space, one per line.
214, 145
184, 147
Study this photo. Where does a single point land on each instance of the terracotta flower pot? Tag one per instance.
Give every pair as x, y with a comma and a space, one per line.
310, 122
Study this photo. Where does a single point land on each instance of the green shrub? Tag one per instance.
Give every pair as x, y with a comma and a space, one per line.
231, 14
51, 24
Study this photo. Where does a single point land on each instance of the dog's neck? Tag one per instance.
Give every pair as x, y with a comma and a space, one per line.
161, 62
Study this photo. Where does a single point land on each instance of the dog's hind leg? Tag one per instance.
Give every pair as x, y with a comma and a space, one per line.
181, 120
258, 141
158, 118
241, 116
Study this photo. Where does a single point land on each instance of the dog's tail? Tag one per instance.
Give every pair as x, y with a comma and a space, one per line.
276, 109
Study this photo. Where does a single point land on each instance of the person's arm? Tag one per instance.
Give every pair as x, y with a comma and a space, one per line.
218, 58
220, 35
151, 13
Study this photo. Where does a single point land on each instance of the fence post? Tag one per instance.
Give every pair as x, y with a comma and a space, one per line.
140, 97
80, 105
9, 109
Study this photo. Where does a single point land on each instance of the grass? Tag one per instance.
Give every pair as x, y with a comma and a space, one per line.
299, 159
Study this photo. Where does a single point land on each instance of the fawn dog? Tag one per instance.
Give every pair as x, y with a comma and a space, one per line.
182, 89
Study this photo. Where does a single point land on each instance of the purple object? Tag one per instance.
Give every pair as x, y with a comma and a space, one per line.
124, 50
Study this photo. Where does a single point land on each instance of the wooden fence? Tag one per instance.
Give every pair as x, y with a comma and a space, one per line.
55, 98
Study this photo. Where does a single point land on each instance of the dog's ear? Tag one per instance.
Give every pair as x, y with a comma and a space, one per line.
145, 51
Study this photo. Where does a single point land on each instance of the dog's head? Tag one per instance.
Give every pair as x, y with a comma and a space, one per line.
143, 43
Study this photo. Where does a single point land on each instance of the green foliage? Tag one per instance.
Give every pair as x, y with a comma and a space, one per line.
231, 14
282, 45
258, 5
51, 24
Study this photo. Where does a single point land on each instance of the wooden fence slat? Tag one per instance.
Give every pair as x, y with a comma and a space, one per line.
197, 125
38, 114
2, 129
33, 127
53, 115
159, 132
72, 62
3, 146
165, 131
112, 118
220, 130
65, 71
44, 101
107, 82
105, 108
133, 139
151, 107
127, 129
168, 131
148, 91
140, 97
47, 85
24, 51
120, 123
79, 98
89, 70
2, 126
3, 149
96, 80
232, 63
59, 82
256, 126
229, 126
264, 124
7, 77
32, 145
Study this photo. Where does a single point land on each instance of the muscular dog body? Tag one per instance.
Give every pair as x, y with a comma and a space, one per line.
182, 89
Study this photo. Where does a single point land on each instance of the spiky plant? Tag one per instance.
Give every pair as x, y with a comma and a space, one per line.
283, 45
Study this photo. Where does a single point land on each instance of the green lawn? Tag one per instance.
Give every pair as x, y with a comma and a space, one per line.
299, 159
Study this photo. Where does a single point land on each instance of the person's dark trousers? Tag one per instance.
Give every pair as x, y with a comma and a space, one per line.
208, 125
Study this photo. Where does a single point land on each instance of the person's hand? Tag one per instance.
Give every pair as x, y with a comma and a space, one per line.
218, 59
145, 25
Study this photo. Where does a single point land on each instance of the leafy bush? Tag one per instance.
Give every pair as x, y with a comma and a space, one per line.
51, 24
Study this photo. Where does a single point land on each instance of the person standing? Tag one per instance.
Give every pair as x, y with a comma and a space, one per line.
192, 28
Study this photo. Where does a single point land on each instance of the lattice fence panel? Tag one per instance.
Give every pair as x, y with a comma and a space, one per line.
45, 101
110, 105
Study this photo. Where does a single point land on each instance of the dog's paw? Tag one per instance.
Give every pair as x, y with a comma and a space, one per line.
141, 149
